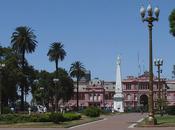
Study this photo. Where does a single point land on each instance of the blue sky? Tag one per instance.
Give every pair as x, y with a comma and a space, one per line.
93, 32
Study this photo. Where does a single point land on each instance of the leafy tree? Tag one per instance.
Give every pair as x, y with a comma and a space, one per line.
9, 76
23, 40
56, 53
172, 22
46, 94
12, 76
66, 86
77, 70
42, 91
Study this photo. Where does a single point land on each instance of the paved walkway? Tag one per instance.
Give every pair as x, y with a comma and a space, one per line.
117, 122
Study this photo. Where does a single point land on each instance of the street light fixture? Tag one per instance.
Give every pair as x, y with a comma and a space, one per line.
56, 81
1, 67
150, 19
159, 63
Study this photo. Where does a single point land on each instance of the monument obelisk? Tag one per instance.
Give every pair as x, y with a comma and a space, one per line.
118, 97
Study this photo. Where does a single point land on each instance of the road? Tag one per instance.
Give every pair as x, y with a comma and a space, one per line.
117, 122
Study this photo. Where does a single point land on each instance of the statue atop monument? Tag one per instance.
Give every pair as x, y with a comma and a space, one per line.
118, 97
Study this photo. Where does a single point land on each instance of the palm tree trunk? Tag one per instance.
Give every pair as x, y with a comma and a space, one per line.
77, 93
22, 82
56, 95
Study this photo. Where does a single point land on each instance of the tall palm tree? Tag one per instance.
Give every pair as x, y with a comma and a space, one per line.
56, 53
23, 40
77, 70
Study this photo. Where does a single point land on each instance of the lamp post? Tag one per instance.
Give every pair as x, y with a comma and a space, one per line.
1, 67
159, 63
150, 19
56, 81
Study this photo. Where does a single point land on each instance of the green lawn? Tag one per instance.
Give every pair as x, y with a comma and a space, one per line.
166, 120
162, 121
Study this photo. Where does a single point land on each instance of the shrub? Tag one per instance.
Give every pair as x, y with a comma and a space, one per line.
71, 116
44, 118
56, 117
92, 112
170, 110
7, 117
105, 112
14, 118
39, 118
6, 110
18, 118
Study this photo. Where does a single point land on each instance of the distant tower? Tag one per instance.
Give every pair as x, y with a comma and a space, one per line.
118, 97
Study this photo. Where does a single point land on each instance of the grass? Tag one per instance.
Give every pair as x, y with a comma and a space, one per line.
67, 124
162, 121
166, 120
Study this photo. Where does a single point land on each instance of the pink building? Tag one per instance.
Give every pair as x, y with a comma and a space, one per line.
171, 92
94, 93
135, 89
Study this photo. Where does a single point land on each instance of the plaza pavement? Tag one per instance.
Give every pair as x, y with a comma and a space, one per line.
117, 122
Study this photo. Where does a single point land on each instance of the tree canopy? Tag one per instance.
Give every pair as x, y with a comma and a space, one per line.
172, 22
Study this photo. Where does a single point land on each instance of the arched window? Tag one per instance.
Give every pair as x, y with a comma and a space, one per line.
90, 97
129, 97
99, 97
95, 97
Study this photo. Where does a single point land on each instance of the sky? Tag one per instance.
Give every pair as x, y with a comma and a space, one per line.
93, 32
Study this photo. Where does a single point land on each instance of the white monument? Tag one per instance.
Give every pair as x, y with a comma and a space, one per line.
118, 97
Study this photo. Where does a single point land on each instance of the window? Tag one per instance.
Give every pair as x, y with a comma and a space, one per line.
106, 96
95, 97
135, 96
82, 96
99, 97
143, 86
128, 86
129, 97
90, 97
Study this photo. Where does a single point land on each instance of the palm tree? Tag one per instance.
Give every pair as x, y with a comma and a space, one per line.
23, 40
77, 70
56, 53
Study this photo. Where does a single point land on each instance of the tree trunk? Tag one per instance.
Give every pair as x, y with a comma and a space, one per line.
22, 82
56, 95
77, 93
0, 92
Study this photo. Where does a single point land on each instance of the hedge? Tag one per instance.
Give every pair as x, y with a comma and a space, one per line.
92, 112
170, 110
46, 117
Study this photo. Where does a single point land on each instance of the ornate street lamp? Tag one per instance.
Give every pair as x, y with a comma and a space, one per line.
1, 67
159, 63
150, 19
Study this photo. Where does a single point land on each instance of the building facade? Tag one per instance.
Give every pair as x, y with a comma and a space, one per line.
170, 92
94, 93
135, 90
